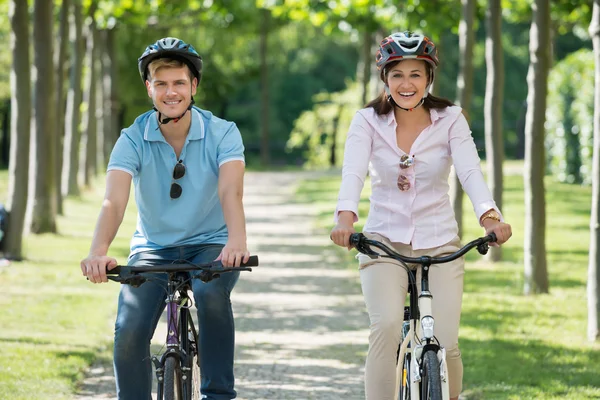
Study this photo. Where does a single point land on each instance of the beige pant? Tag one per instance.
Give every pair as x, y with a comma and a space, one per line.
384, 286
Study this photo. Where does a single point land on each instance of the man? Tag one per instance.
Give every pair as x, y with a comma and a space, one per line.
187, 167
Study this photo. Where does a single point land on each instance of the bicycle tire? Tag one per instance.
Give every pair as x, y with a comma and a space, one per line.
172, 379
405, 379
431, 384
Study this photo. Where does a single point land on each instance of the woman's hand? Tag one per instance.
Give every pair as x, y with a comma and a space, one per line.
502, 230
340, 234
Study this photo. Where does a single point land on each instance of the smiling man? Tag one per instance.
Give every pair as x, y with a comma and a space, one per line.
187, 167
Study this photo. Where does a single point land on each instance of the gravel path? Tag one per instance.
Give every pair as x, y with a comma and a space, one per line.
300, 320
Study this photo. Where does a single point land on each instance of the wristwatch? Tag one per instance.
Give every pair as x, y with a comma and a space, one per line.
491, 214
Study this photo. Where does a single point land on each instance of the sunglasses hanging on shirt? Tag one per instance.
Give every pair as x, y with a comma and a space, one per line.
404, 180
178, 173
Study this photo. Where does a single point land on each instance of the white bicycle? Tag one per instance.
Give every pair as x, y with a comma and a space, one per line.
421, 372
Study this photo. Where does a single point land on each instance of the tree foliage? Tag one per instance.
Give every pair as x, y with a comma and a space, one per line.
570, 110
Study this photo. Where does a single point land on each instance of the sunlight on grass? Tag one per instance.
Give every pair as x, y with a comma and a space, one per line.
515, 346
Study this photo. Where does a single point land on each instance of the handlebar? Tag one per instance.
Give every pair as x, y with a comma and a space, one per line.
130, 274
362, 244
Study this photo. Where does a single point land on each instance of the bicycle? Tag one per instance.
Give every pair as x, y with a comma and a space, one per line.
178, 368
421, 370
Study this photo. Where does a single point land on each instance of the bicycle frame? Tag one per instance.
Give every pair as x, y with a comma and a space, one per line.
420, 304
420, 341
179, 321
182, 345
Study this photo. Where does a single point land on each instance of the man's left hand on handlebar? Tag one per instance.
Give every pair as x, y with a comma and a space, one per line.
94, 267
502, 230
233, 254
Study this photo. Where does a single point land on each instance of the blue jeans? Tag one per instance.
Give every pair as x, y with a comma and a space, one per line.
140, 309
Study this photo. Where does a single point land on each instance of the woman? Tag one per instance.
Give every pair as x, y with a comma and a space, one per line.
408, 140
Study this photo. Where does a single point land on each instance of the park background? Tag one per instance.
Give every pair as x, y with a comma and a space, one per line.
291, 74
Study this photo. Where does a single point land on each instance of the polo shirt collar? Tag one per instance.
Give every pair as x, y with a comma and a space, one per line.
152, 132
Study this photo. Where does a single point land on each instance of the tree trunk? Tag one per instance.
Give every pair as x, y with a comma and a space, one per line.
100, 100
5, 143
87, 155
334, 130
73, 114
593, 283
41, 204
109, 105
464, 92
365, 64
264, 89
494, 94
18, 169
61, 71
536, 274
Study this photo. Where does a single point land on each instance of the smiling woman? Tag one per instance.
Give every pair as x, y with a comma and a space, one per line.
408, 140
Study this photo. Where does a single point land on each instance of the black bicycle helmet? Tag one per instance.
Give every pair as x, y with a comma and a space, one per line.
405, 45
174, 48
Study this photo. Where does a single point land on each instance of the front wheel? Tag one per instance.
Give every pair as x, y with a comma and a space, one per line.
172, 379
431, 384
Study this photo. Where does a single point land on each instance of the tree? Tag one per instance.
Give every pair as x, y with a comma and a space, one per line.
264, 87
464, 91
73, 114
593, 283
88, 154
536, 274
61, 55
110, 94
41, 204
18, 170
494, 94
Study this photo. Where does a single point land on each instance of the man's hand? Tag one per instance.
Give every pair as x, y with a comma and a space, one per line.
234, 253
94, 267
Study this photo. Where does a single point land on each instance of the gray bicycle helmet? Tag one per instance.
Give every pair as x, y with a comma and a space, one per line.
174, 48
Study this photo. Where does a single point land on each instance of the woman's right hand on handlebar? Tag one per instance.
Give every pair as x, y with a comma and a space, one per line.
94, 267
340, 234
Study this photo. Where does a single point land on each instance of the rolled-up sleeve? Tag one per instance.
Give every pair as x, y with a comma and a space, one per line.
356, 162
468, 169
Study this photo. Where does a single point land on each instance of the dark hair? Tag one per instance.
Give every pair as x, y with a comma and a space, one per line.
382, 105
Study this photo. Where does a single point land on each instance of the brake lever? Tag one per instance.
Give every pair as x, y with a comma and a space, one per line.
483, 248
364, 248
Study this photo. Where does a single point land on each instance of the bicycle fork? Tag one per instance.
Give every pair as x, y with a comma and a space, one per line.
421, 312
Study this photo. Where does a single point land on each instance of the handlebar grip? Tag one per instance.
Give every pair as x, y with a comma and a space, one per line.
252, 262
115, 271
493, 237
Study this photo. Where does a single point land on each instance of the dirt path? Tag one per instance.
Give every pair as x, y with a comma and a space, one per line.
300, 321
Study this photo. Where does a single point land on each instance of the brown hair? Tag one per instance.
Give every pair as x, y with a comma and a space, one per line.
160, 63
383, 106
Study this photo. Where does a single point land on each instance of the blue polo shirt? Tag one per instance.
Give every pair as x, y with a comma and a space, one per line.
196, 217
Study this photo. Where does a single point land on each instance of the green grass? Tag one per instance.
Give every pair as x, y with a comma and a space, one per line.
54, 322
515, 346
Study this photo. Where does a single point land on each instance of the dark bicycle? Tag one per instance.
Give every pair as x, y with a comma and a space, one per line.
422, 372
177, 369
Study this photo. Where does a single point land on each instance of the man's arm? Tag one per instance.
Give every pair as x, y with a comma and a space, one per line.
118, 185
231, 192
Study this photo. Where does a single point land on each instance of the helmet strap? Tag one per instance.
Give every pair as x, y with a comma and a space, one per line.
174, 119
